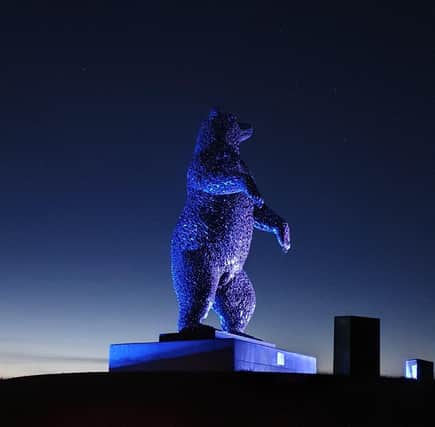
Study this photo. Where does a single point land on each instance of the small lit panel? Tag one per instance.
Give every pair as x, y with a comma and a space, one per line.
280, 359
411, 369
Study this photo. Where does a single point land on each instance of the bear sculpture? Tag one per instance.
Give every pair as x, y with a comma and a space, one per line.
212, 237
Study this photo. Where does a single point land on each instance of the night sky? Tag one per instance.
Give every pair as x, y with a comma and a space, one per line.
100, 105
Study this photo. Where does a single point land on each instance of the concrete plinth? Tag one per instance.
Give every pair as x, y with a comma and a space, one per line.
225, 352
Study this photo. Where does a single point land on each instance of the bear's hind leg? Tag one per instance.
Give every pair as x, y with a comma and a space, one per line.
195, 285
235, 303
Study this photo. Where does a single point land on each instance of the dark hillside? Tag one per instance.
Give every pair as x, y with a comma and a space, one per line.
150, 399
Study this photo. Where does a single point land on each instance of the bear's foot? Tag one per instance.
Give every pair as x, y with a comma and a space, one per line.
199, 331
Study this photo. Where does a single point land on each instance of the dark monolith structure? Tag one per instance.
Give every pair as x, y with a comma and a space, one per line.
357, 346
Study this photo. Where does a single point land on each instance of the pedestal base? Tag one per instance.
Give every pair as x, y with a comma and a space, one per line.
225, 352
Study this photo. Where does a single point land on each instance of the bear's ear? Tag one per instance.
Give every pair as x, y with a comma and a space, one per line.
214, 112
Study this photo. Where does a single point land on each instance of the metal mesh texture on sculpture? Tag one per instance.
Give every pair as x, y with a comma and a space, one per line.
212, 237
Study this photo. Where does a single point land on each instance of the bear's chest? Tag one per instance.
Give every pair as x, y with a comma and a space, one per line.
221, 225
230, 214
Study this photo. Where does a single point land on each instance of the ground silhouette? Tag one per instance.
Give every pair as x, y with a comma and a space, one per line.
212, 399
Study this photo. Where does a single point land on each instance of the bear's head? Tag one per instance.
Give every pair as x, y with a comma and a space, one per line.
223, 127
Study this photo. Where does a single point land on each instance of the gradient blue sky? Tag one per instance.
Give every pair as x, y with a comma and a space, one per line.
99, 110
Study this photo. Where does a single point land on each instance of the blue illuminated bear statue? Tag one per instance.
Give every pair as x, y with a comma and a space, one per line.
212, 237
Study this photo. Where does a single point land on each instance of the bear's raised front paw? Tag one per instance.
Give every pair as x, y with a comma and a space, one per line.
284, 237
258, 200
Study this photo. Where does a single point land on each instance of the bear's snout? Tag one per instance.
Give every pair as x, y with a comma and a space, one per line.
246, 131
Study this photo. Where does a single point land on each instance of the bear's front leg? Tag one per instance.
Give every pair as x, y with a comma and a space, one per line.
266, 219
252, 191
